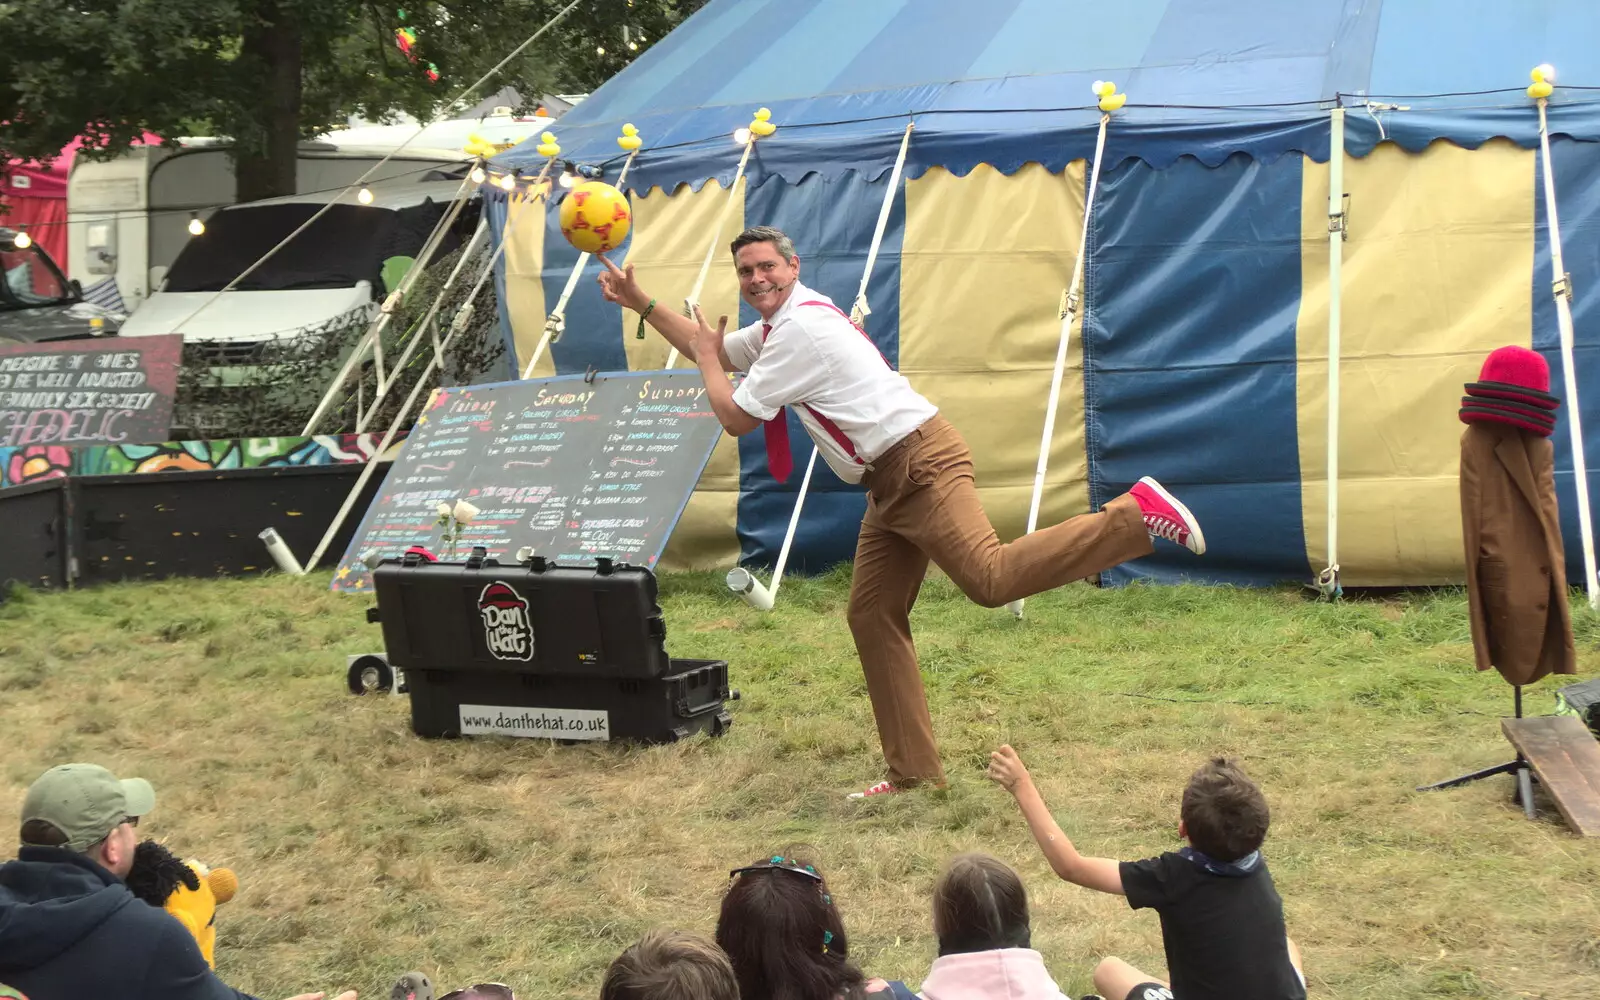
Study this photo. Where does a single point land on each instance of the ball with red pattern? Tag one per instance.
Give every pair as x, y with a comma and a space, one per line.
595, 217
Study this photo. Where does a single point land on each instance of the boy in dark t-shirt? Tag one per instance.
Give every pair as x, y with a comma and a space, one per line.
1221, 918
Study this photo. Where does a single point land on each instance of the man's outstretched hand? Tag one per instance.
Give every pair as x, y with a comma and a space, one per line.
708, 342
619, 285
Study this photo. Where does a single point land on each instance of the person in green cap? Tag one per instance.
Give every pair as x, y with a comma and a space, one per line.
69, 927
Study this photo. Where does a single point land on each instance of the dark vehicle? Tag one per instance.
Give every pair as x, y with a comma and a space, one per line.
37, 302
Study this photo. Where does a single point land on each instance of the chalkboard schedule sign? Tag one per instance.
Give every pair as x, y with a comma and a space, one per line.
575, 467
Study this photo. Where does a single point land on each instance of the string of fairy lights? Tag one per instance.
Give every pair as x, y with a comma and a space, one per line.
571, 173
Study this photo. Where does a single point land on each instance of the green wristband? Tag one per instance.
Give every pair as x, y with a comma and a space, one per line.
639, 334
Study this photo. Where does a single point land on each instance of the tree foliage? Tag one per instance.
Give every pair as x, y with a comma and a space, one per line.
268, 73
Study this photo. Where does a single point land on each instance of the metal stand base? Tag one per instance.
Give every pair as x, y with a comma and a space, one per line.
1519, 767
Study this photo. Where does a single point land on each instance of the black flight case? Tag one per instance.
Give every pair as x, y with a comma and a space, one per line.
539, 650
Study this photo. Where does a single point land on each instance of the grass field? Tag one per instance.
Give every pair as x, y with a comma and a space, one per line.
363, 851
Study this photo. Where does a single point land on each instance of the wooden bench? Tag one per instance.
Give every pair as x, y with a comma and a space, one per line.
1566, 759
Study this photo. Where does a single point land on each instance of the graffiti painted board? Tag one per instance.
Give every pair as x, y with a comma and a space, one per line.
576, 469
38, 462
98, 391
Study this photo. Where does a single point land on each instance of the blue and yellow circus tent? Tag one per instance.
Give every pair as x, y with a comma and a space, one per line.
1201, 356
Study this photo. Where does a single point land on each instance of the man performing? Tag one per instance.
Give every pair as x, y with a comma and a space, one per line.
872, 428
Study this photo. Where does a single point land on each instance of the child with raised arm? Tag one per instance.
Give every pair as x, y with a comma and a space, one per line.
1221, 918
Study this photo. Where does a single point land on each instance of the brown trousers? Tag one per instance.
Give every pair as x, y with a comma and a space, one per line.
923, 504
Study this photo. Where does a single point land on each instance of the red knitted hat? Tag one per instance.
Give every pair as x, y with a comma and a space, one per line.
1514, 365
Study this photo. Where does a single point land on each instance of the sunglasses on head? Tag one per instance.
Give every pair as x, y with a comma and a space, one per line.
482, 991
779, 863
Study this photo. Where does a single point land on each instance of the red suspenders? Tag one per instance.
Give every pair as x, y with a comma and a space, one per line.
839, 436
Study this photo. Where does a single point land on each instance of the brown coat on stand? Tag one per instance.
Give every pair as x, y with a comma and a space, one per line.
1516, 565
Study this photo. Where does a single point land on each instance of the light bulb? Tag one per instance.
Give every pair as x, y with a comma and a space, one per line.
599, 50
568, 179
508, 182
23, 240
196, 227
741, 135
633, 46
364, 195
1548, 71
477, 175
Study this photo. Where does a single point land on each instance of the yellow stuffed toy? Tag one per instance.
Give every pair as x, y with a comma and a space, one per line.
189, 890
196, 909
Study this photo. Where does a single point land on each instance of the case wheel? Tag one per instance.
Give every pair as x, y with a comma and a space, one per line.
369, 674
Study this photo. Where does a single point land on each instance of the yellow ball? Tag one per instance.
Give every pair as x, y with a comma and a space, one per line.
595, 217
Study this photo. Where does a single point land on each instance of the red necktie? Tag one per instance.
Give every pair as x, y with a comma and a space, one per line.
779, 461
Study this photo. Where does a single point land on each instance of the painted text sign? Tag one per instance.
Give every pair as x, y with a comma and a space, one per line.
84, 392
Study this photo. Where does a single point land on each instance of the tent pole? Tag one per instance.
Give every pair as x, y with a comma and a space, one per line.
740, 580
1069, 310
556, 323
1328, 584
370, 340
457, 324
388, 438
711, 249
438, 300
744, 583
1561, 289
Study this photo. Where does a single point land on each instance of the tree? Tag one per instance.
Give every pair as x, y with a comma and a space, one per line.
269, 73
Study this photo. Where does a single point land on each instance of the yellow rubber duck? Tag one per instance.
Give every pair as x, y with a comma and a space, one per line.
1542, 85
760, 125
477, 145
547, 145
629, 139
1110, 100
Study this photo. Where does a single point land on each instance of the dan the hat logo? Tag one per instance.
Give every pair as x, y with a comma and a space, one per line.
507, 627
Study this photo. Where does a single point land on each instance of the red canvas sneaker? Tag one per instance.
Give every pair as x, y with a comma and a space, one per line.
1166, 518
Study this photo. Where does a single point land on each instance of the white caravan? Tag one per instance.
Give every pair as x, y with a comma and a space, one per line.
129, 217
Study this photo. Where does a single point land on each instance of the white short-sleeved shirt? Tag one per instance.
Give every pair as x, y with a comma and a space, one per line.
810, 356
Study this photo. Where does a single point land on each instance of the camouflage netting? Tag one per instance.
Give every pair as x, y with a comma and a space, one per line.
269, 388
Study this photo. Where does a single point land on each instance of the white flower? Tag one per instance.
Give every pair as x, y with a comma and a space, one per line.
465, 512
443, 509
